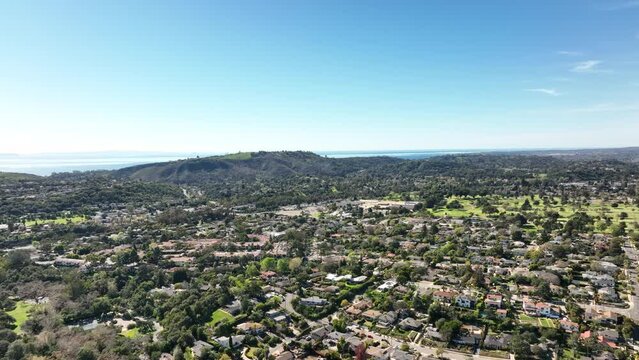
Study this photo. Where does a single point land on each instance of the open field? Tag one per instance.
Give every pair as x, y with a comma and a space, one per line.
237, 156
131, 333
20, 314
513, 206
61, 220
218, 316
539, 322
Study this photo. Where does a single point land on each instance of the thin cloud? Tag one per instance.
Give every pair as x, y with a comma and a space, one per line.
606, 107
551, 92
589, 66
569, 53
619, 5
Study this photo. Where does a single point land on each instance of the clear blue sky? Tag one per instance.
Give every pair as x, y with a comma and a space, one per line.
317, 75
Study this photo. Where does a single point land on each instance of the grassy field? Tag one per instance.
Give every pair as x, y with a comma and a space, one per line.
539, 322
20, 314
218, 316
61, 220
237, 156
131, 333
251, 353
513, 205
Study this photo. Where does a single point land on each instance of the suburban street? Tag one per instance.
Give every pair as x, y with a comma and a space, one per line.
632, 311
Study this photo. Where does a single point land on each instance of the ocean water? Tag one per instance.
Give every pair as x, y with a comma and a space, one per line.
46, 164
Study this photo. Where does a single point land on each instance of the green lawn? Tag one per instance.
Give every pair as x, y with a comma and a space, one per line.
251, 352
548, 323
237, 156
20, 314
539, 322
188, 354
131, 333
218, 316
512, 205
57, 221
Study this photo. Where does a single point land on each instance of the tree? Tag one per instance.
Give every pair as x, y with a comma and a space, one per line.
86, 354
449, 329
16, 351
282, 266
339, 323
520, 347
178, 354
342, 346
17, 259
294, 264
268, 263
627, 329
543, 290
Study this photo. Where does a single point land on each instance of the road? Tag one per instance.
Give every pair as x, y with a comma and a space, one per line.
632, 311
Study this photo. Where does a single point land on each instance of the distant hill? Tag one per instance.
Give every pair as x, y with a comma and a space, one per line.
10, 176
628, 154
252, 165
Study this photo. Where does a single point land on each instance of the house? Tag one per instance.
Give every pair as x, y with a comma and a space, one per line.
358, 279
230, 341
321, 332
529, 307
376, 353
199, 347
465, 301
286, 355
494, 301
609, 335
410, 324
569, 326
469, 335
277, 316
548, 310
387, 319
371, 315
604, 280
397, 354
353, 311
608, 294
313, 301
541, 309
234, 307
501, 313
444, 297
252, 328
67, 262
433, 333
387, 285
497, 341
606, 266
602, 317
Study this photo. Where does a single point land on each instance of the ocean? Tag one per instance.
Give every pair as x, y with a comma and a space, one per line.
46, 164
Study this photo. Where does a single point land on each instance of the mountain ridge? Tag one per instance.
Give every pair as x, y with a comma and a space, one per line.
260, 164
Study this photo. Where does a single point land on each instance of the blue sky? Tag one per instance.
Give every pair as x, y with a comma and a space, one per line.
225, 76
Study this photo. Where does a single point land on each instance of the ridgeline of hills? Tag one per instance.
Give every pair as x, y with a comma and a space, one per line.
268, 180
265, 165
252, 165
286, 164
